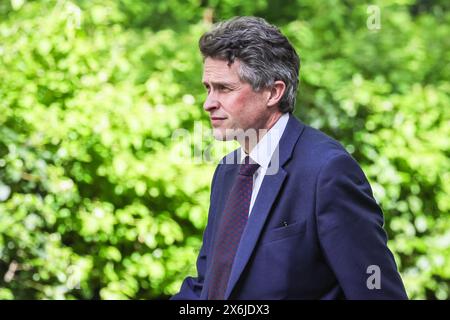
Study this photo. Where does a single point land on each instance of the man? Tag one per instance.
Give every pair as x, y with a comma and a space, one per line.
295, 217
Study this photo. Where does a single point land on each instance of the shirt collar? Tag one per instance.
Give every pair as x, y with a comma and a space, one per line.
264, 149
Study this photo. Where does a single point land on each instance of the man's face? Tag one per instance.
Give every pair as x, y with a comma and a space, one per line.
232, 104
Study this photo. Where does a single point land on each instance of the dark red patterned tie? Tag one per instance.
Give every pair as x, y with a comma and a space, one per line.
229, 232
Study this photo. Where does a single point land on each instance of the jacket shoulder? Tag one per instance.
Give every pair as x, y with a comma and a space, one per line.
315, 148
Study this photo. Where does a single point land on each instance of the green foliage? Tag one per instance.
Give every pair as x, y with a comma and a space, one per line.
385, 95
93, 202
92, 208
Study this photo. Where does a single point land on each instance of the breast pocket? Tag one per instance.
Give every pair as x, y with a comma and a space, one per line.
284, 232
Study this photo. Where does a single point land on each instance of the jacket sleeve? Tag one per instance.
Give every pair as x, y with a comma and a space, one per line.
191, 287
350, 228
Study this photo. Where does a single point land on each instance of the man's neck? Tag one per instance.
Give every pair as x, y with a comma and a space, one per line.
248, 144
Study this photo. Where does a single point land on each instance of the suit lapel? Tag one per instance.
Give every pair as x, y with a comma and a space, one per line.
266, 197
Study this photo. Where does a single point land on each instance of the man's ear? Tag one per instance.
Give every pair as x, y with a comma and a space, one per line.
276, 92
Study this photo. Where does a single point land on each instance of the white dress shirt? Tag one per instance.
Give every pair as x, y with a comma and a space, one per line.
262, 154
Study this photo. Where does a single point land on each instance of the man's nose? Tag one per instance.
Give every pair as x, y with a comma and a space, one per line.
211, 103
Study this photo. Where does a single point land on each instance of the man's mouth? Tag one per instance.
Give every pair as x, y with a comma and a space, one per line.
217, 120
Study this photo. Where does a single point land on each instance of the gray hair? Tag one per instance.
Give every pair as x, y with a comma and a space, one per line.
265, 54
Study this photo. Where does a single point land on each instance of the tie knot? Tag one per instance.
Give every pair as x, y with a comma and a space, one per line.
248, 167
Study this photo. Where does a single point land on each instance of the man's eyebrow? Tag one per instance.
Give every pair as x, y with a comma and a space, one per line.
220, 83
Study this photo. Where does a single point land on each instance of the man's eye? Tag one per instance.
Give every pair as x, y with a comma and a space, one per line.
223, 88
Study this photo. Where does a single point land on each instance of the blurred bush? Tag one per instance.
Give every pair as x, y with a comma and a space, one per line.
92, 201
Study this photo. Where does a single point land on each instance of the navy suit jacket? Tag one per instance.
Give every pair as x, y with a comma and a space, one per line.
313, 232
